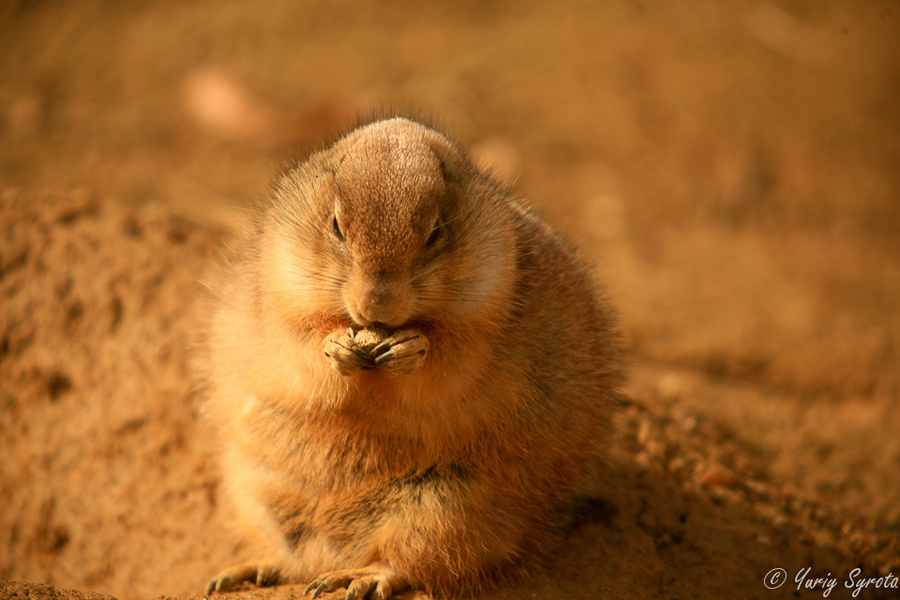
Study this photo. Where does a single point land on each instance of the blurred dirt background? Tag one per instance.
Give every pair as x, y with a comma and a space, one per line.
731, 168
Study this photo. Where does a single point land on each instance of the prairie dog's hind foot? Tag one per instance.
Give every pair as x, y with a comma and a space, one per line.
377, 582
260, 574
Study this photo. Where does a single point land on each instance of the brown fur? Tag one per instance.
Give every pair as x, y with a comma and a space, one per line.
457, 473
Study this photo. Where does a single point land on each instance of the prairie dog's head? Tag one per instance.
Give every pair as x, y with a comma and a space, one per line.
390, 224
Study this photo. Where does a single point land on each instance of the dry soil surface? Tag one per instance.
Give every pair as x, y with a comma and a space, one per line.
732, 169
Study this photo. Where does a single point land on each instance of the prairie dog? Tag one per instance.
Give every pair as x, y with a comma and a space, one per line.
410, 372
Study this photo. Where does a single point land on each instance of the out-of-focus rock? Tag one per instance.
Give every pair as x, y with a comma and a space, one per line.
718, 475
224, 107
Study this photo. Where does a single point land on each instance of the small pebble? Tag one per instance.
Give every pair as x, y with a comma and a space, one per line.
672, 386
718, 476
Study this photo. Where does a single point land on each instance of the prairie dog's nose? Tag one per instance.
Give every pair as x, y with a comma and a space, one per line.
381, 299
376, 302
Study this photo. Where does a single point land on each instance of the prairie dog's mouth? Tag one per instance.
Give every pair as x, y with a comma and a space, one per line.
383, 315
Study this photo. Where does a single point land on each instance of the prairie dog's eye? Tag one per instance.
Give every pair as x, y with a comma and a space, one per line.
336, 229
435, 234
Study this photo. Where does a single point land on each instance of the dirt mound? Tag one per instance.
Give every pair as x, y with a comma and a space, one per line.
38, 591
98, 407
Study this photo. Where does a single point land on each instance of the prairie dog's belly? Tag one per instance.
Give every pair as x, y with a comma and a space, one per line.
324, 505
312, 529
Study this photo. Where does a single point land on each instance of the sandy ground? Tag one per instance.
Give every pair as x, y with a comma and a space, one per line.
732, 169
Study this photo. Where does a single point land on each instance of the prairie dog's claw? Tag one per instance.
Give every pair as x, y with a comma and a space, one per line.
374, 581
401, 353
345, 354
260, 574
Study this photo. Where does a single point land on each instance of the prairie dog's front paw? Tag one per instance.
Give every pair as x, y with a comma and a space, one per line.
345, 354
402, 352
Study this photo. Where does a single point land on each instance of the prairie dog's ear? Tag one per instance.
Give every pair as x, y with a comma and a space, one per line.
452, 162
